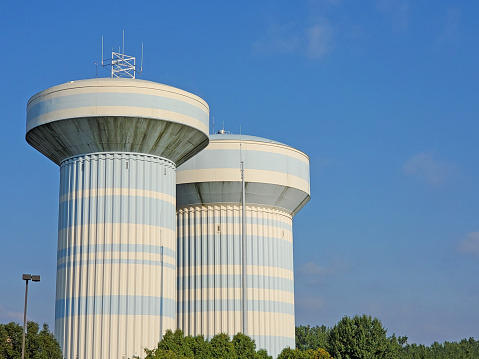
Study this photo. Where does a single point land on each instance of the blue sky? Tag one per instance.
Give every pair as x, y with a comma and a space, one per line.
381, 94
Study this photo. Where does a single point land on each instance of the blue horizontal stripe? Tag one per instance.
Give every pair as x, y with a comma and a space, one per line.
115, 305
226, 249
116, 248
230, 305
234, 281
116, 99
117, 209
86, 262
255, 160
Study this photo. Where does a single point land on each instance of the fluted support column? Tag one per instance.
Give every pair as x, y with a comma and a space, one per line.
116, 268
210, 267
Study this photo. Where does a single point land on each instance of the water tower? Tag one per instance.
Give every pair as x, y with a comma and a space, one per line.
117, 142
228, 282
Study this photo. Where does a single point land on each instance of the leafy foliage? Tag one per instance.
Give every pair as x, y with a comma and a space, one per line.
39, 344
175, 345
364, 337
311, 337
319, 353
262, 354
359, 337
221, 347
245, 347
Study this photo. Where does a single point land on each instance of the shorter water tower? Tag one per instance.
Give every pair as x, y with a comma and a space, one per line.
216, 292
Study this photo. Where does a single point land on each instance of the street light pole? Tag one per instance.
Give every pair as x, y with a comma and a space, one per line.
26, 278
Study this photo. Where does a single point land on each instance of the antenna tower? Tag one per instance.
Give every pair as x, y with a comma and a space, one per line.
121, 65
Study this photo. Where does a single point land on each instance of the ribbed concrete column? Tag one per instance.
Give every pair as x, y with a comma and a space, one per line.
116, 267
210, 268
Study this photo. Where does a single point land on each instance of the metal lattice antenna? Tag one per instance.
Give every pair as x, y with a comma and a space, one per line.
121, 65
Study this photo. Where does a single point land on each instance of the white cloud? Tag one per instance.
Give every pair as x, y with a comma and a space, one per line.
470, 244
311, 268
314, 273
319, 38
451, 26
8, 316
314, 40
425, 167
279, 39
309, 302
396, 11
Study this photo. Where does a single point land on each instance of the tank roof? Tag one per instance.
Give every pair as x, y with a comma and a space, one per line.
228, 136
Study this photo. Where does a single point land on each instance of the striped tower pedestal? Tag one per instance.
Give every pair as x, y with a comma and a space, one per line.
116, 267
210, 273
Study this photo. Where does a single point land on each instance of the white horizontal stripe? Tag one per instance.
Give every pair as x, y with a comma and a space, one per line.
226, 229
116, 279
234, 175
235, 270
126, 111
235, 293
258, 146
117, 233
262, 212
120, 86
119, 256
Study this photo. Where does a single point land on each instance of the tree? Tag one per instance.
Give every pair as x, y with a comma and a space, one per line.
262, 354
198, 345
245, 347
289, 353
174, 345
360, 337
10, 340
221, 347
318, 354
38, 344
311, 337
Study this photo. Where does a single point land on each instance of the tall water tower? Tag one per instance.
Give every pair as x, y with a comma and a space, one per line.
227, 282
117, 142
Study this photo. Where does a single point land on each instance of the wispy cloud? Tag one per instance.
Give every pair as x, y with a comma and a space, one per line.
310, 303
311, 268
395, 11
314, 40
7, 315
315, 273
469, 244
279, 39
425, 167
450, 30
319, 38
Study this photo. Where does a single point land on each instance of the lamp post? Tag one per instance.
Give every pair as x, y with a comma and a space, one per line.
26, 278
